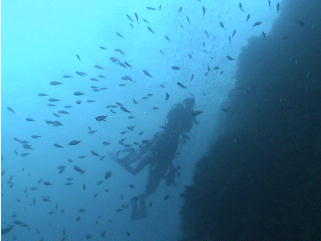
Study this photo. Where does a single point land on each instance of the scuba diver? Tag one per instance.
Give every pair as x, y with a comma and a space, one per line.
159, 153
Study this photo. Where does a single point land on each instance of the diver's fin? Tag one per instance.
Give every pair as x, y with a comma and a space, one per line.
142, 208
138, 208
134, 214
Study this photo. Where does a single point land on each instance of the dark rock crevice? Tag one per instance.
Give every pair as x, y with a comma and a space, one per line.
261, 180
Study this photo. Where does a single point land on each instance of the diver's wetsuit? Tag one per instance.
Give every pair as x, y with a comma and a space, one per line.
160, 153
162, 160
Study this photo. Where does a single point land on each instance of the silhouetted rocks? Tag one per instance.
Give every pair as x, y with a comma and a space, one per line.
262, 178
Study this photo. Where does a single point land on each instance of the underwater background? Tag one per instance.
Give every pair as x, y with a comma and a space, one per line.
251, 167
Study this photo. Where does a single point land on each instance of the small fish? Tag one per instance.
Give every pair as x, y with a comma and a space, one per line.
206, 33
181, 85
257, 24
47, 183
241, 7
124, 109
150, 8
248, 17
130, 18
42, 94
131, 128
67, 76
61, 169
98, 66
166, 96
53, 99
63, 112
82, 74
99, 182
187, 18
58, 146
269, 1
264, 34
278, 7
222, 25
175, 67
91, 131
166, 197
204, 10
94, 153
120, 51
101, 118
74, 142
6, 230
21, 224
35, 136
77, 55
126, 77
167, 38
106, 143
77, 93
55, 83
161, 51
233, 34
119, 35
30, 119
150, 29
108, 174
78, 169
146, 21
136, 16
229, 58
127, 64
147, 73
103, 47
27, 146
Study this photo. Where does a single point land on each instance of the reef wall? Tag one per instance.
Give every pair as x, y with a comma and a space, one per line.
261, 179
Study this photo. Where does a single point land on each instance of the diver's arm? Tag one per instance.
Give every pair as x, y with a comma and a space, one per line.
145, 159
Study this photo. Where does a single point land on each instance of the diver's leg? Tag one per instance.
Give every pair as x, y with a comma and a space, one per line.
138, 203
152, 185
134, 214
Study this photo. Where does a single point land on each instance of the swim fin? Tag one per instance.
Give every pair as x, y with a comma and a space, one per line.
138, 208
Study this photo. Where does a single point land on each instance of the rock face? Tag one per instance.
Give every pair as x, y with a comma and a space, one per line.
261, 180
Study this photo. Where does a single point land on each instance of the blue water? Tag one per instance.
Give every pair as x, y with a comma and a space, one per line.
44, 41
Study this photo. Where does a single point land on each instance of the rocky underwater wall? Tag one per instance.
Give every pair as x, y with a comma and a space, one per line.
261, 179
